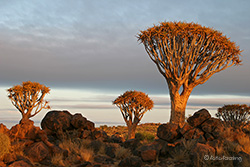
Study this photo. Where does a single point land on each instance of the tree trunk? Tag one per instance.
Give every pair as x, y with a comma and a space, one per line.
131, 131
178, 106
25, 118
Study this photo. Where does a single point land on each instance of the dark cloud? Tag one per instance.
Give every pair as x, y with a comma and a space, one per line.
92, 44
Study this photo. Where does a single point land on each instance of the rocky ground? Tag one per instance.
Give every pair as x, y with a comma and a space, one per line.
72, 140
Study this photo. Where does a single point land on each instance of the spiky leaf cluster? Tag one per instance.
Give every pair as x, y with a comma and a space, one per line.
235, 115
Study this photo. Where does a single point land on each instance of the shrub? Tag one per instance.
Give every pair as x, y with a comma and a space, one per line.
234, 115
4, 144
144, 136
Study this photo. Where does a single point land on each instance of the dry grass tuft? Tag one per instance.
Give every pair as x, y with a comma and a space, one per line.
78, 150
58, 160
4, 144
122, 153
244, 141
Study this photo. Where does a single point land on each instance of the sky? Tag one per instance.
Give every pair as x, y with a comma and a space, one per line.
88, 54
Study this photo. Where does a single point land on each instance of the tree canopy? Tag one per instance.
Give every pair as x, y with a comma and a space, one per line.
187, 54
28, 98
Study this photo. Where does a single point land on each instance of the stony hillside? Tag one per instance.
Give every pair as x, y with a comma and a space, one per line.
73, 140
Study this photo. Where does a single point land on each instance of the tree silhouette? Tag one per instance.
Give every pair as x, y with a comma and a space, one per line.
187, 54
133, 105
29, 97
234, 115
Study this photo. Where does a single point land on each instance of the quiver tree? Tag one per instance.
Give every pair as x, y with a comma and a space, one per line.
28, 98
234, 115
187, 54
133, 105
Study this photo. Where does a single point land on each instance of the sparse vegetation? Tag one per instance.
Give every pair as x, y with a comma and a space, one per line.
77, 151
145, 136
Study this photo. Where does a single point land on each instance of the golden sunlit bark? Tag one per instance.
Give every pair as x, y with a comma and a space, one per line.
187, 55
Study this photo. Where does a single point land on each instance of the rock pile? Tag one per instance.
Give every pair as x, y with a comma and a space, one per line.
56, 123
201, 136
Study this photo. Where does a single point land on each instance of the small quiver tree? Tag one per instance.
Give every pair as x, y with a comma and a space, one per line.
187, 54
28, 98
234, 115
133, 105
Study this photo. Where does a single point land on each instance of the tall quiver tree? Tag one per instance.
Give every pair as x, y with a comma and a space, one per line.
28, 98
133, 105
187, 54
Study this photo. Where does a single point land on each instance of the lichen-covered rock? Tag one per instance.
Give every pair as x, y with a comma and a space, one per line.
168, 132
198, 117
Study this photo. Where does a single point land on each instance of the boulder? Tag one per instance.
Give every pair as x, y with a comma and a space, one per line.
242, 159
111, 148
55, 121
131, 143
37, 151
3, 129
90, 125
27, 130
216, 143
199, 117
86, 134
209, 137
103, 159
197, 133
218, 132
117, 138
201, 152
186, 127
2, 164
20, 163
149, 155
189, 134
131, 161
149, 152
78, 121
210, 124
168, 132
